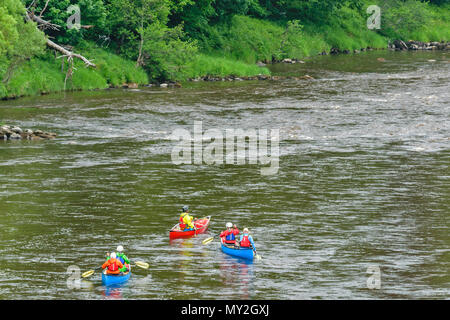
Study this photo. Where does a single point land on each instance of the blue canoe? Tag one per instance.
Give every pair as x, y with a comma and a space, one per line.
109, 279
244, 253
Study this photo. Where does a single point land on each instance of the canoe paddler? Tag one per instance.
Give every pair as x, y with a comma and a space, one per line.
113, 264
186, 220
123, 259
246, 240
230, 233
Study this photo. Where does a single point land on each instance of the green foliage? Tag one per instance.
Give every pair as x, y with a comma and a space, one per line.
226, 9
160, 40
35, 76
166, 52
412, 19
19, 39
92, 16
315, 11
202, 65
296, 43
348, 31
251, 40
400, 18
44, 74
146, 38
196, 16
114, 69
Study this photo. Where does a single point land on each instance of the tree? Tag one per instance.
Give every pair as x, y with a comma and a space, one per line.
316, 11
92, 14
195, 16
140, 29
19, 39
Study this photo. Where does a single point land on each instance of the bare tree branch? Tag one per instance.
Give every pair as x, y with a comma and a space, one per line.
31, 4
45, 7
41, 22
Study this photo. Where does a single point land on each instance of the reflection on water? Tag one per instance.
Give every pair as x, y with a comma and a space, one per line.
238, 275
112, 292
187, 257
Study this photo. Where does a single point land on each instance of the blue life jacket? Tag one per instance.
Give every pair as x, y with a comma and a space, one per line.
121, 259
230, 237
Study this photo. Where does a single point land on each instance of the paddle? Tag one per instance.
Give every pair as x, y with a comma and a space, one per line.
208, 240
89, 273
257, 255
141, 264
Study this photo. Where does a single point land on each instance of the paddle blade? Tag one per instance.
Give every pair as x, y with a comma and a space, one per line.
88, 273
142, 264
208, 240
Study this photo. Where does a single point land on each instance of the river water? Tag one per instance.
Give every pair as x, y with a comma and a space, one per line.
359, 207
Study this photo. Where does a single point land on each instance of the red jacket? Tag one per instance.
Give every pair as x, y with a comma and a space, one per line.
245, 242
113, 266
230, 235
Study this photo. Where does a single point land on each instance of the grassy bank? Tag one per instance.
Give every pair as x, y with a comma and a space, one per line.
46, 74
202, 65
248, 39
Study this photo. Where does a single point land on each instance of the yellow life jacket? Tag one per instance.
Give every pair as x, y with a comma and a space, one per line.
187, 219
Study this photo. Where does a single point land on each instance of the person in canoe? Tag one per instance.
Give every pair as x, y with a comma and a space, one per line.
230, 233
186, 220
246, 240
113, 264
123, 259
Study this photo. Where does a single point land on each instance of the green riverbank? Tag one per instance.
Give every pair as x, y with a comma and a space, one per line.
194, 39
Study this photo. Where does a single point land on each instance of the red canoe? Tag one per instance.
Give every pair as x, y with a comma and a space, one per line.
201, 225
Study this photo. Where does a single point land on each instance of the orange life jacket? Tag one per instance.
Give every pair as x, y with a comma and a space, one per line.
113, 266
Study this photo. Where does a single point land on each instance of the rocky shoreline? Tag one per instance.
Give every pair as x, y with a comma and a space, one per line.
243, 78
16, 133
400, 45
396, 45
